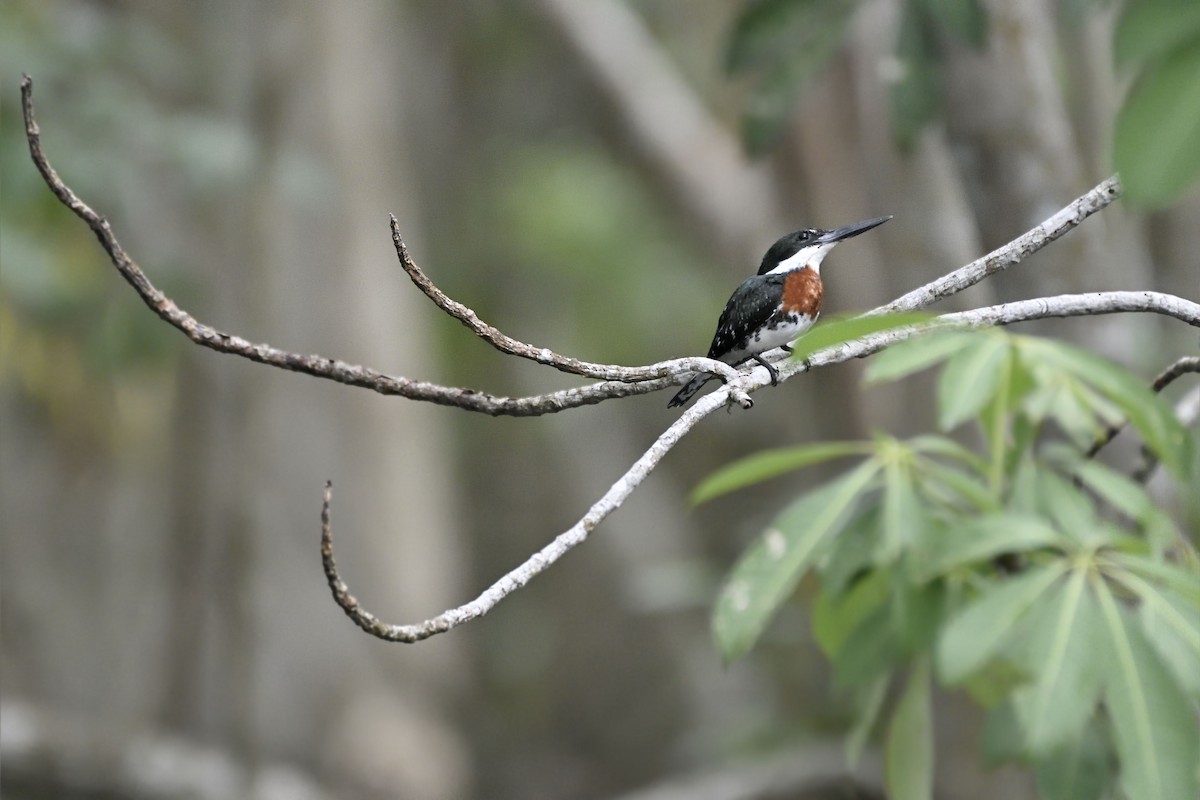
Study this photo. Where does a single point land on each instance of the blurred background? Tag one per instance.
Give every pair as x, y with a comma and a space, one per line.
593, 177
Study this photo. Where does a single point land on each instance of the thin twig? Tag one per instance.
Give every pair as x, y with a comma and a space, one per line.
536, 563
1012, 253
1065, 305
647, 379
1165, 378
333, 369
544, 355
1186, 411
1004, 314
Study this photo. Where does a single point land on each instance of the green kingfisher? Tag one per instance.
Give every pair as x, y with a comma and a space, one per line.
778, 304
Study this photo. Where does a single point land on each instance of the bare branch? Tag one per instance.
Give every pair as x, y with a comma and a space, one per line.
1164, 379
543, 355
352, 374
1005, 314
1065, 305
626, 380
1012, 253
536, 563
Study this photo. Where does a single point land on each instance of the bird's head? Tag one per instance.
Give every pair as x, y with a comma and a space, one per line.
807, 248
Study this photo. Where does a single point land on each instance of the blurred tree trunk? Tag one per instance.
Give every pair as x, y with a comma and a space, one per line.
208, 614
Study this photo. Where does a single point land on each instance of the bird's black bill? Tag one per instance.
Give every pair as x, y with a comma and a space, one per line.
838, 234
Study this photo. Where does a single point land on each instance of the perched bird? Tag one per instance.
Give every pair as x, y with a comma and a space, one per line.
778, 304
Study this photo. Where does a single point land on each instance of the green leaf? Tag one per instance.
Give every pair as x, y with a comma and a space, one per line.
870, 704
966, 19
767, 573
1070, 409
995, 682
904, 514
870, 651
1172, 625
916, 97
778, 92
854, 554
1129, 497
1168, 609
1023, 489
1153, 723
975, 635
788, 43
836, 617
1079, 770
1069, 507
915, 354
1060, 649
772, 463
960, 483
971, 378
982, 538
916, 614
1185, 582
908, 753
1151, 29
770, 30
1154, 143
839, 330
1150, 414
994, 419
1002, 739
935, 444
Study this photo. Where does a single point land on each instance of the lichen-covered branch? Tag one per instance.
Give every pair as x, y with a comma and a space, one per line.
1004, 314
1016, 251
656, 376
536, 563
619, 381
544, 355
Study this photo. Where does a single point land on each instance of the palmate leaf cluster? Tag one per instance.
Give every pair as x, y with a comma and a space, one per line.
1051, 587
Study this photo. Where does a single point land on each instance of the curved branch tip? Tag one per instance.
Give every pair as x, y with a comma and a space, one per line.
618, 381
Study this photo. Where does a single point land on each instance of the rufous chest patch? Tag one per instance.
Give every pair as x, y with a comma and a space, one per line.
802, 292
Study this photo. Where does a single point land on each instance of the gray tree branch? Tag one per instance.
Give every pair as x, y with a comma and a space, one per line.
365, 377
626, 380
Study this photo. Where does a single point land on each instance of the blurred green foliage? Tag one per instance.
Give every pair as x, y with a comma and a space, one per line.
589, 237
75, 348
1156, 144
61, 343
1053, 588
785, 44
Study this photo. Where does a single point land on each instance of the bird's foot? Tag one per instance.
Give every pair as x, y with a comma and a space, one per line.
774, 372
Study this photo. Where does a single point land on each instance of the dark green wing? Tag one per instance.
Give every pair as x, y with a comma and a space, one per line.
749, 308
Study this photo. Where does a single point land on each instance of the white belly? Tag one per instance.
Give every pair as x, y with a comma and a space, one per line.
785, 332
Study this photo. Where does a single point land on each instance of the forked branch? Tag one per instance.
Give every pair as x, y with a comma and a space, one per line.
1004, 314
624, 381
618, 381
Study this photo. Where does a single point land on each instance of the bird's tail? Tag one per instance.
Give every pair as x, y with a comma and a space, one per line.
692, 386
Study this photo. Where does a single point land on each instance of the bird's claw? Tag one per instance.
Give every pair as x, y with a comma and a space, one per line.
770, 369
